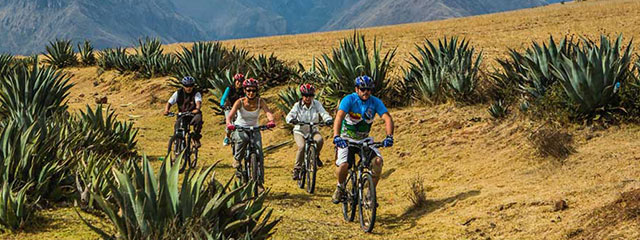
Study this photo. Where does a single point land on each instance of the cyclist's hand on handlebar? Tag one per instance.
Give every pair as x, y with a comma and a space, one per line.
388, 141
271, 124
195, 111
329, 122
294, 121
231, 127
339, 142
166, 113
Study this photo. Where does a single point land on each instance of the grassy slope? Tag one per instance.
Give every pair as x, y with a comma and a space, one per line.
483, 173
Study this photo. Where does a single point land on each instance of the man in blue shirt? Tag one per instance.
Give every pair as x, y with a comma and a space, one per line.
353, 123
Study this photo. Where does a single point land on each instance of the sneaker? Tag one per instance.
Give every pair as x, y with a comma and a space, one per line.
296, 174
337, 195
319, 162
225, 142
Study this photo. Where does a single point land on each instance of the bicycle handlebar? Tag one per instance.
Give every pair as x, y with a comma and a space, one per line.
180, 114
258, 128
365, 144
320, 124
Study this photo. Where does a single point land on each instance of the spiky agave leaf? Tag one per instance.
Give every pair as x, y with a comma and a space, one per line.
87, 55
15, 208
202, 62
271, 71
590, 78
60, 54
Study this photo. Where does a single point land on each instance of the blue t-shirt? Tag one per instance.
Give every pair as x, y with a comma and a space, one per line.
357, 124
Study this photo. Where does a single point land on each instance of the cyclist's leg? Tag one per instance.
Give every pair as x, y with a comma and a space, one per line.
197, 122
241, 140
319, 141
299, 139
345, 157
376, 165
227, 132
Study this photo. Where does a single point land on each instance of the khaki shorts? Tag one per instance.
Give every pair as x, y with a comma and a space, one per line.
347, 155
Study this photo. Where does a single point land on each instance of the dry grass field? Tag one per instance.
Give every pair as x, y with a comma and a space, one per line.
484, 178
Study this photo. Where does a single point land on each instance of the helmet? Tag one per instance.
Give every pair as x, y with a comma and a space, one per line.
238, 77
364, 82
188, 81
307, 89
250, 82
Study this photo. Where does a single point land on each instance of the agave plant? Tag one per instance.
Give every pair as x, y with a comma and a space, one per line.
202, 62
153, 62
102, 133
238, 59
87, 56
6, 65
150, 207
531, 72
35, 90
450, 68
498, 109
288, 97
60, 54
350, 60
118, 59
591, 77
15, 208
93, 174
271, 70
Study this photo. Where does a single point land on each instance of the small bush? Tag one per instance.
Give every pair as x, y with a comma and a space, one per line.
87, 55
60, 54
417, 193
551, 141
498, 109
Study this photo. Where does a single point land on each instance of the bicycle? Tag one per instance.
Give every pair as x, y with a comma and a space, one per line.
310, 165
359, 187
253, 168
181, 141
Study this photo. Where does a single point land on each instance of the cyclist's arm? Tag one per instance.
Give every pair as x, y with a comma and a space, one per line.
291, 115
198, 99
223, 100
388, 123
233, 111
338, 122
266, 110
323, 112
172, 100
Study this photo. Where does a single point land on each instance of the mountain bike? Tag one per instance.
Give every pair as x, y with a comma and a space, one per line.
253, 168
181, 142
359, 187
310, 166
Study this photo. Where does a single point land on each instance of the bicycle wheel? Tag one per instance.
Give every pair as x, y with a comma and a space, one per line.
176, 146
255, 168
368, 202
303, 171
350, 198
311, 168
194, 156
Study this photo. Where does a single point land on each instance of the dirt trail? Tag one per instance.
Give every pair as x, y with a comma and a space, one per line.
485, 179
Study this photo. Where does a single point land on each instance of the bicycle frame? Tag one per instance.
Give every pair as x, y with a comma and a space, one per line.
252, 148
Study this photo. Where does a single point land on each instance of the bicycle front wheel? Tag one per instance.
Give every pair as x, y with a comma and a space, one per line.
350, 198
368, 203
311, 168
176, 146
256, 168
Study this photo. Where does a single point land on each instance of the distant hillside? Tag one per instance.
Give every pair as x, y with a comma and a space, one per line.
26, 26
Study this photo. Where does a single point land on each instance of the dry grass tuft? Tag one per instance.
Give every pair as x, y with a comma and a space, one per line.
552, 141
417, 194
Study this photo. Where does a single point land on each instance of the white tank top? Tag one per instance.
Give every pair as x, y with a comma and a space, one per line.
248, 118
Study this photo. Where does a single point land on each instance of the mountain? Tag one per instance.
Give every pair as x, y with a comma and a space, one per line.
27, 25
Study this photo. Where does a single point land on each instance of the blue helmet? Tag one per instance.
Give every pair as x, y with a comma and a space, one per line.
364, 82
188, 81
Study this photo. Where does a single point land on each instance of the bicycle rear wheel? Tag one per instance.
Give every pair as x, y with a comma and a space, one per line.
368, 203
311, 167
350, 198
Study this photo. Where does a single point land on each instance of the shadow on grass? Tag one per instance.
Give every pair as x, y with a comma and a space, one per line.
412, 214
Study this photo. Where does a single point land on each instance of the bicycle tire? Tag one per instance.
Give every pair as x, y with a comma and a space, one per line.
367, 210
303, 172
349, 202
311, 168
255, 168
194, 159
175, 148
186, 156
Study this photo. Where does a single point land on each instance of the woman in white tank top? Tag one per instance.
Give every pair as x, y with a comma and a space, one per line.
248, 110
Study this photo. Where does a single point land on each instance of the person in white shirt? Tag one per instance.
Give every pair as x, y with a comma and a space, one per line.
307, 110
188, 100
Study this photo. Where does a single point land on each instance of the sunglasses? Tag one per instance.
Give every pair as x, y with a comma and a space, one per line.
308, 95
366, 89
251, 90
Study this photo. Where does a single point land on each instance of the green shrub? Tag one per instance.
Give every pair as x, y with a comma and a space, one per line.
498, 109
202, 62
15, 209
350, 60
87, 56
153, 62
450, 69
271, 71
60, 54
35, 90
148, 207
92, 175
101, 132
589, 79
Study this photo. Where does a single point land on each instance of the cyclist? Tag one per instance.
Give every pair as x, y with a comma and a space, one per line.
229, 97
188, 100
353, 122
248, 110
307, 110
